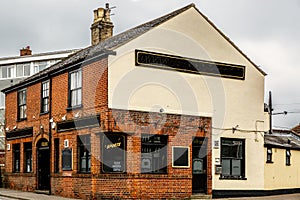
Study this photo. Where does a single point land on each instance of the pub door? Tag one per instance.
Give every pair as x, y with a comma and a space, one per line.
43, 165
199, 165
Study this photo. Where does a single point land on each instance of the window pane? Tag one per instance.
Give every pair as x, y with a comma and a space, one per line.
4, 72
154, 153
19, 70
113, 153
10, 72
236, 167
225, 167
26, 70
2, 100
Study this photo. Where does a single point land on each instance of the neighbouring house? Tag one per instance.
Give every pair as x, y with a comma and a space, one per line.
282, 163
165, 110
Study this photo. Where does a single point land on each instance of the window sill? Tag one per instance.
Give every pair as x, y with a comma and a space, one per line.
269, 162
288, 164
232, 178
23, 119
74, 107
44, 113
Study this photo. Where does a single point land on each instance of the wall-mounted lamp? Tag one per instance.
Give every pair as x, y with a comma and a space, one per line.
77, 115
53, 125
51, 120
64, 118
15, 127
7, 129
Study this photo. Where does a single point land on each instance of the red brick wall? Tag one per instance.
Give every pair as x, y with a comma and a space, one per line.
177, 183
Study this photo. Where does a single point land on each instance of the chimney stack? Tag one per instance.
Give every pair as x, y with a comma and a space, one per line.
25, 51
102, 27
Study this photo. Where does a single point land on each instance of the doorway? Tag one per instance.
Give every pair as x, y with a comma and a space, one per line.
43, 165
199, 165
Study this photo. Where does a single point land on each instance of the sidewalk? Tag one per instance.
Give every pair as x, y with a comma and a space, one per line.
16, 194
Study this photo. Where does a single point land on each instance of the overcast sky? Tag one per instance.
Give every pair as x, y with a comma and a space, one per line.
268, 32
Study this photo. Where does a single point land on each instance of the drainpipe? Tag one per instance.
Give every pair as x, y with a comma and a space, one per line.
50, 132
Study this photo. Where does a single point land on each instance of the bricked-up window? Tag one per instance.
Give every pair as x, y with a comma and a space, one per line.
154, 153
84, 153
56, 155
75, 88
45, 97
22, 104
288, 157
113, 153
233, 158
27, 157
16, 157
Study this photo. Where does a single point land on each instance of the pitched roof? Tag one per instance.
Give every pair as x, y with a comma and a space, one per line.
101, 49
282, 139
107, 46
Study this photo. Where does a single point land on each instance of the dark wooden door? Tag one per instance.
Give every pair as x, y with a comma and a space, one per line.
199, 165
43, 165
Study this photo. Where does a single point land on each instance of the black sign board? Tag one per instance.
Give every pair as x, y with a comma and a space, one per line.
181, 157
19, 133
89, 121
189, 65
113, 153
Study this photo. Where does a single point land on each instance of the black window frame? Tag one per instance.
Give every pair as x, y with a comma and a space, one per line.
84, 153
22, 105
154, 154
27, 157
16, 158
77, 89
240, 156
269, 155
45, 97
288, 157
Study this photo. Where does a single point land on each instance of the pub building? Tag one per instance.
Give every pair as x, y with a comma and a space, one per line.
164, 110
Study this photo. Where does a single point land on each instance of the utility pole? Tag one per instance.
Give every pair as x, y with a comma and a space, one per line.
270, 111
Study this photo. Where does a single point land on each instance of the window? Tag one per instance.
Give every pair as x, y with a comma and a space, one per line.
23, 70
84, 153
233, 158
45, 97
67, 159
39, 66
154, 153
269, 155
28, 157
56, 155
8, 71
113, 153
16, 157
288, 157
22, 104
2, 100
75, 81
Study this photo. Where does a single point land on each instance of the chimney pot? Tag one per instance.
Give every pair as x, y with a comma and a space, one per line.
25, 51
102, 27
